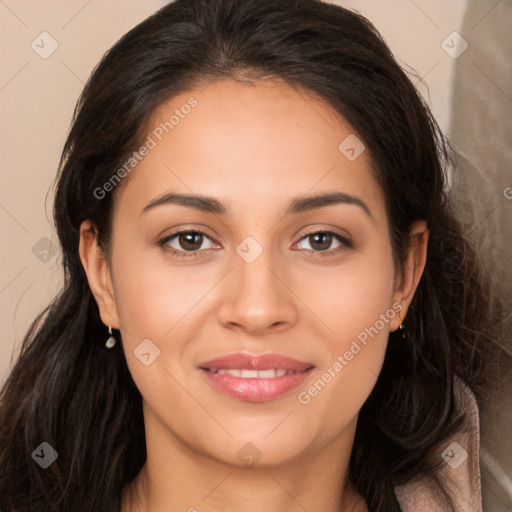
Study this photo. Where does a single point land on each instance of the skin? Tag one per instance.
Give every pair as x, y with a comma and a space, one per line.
253, 147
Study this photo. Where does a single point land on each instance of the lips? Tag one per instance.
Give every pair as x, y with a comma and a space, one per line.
255, 378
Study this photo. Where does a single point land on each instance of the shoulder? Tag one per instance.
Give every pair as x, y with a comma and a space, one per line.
460, 470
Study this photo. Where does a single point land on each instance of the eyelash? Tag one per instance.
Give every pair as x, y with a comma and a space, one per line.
346, 244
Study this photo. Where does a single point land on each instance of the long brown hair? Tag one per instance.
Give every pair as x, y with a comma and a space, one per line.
67, 390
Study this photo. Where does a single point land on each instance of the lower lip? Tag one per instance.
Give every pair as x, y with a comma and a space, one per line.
254, 389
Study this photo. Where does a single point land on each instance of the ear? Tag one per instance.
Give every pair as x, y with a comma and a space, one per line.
98, 273
407, 282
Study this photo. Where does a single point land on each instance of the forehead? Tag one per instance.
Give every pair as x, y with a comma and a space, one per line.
252, 143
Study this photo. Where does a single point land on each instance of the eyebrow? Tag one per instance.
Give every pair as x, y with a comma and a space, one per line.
297, 204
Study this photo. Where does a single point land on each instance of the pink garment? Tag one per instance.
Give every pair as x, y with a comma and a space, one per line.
460, 472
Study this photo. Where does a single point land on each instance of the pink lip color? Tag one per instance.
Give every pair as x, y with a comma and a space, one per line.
255, 389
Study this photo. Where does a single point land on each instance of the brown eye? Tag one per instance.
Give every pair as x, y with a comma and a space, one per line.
183, 242
322, 241
190, 241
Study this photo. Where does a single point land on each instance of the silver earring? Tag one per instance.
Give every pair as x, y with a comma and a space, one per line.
111, 341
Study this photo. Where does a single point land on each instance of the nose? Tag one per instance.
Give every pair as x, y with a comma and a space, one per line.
257, 299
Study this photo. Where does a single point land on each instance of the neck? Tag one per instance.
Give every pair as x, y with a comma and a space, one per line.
175, 477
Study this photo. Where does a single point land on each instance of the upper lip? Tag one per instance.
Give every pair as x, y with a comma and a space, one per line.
243, 361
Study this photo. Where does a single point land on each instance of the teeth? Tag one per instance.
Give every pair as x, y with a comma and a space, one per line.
255, 374
234, 373
267, 374
249, 374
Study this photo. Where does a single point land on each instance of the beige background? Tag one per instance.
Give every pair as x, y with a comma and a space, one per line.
37, 97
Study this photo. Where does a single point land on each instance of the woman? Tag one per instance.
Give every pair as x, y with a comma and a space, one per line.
268, 303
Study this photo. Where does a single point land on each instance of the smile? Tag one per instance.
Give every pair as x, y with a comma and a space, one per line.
255, 378
255, 374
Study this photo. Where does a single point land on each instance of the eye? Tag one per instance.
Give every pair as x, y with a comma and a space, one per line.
190, 243
321, 242
183, 242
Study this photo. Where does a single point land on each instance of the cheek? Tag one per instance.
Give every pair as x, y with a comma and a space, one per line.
163, 303
153, 296
355, 303
349, 298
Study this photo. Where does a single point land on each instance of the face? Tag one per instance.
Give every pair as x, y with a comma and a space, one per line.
252, 312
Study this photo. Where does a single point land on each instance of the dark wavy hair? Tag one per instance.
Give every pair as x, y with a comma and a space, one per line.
68, 390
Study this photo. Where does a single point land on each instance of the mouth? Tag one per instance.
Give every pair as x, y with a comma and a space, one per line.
255, 378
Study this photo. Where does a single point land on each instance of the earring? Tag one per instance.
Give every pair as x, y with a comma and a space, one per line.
401, 327
111, 341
